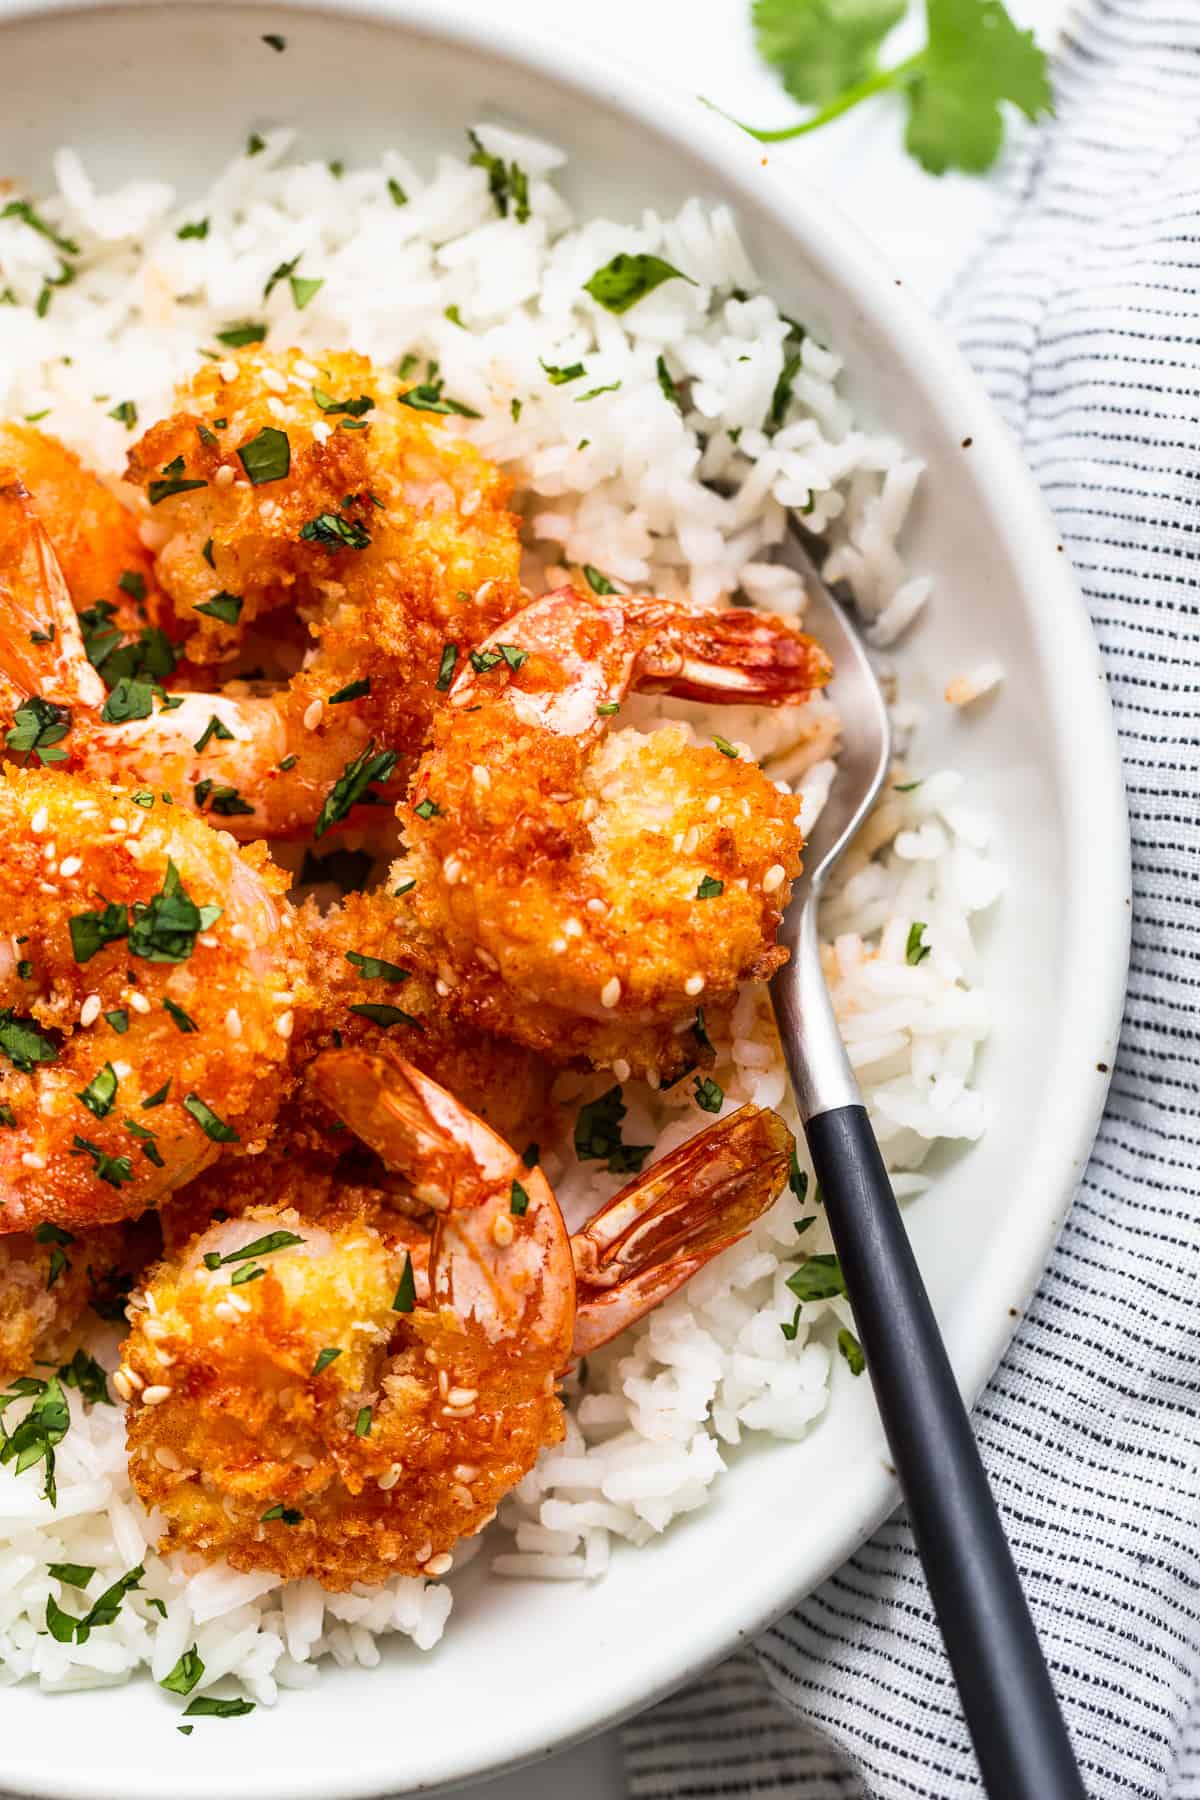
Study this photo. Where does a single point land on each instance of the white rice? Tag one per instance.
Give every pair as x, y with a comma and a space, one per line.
622, 480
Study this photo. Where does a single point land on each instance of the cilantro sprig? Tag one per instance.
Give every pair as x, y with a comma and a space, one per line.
974, 62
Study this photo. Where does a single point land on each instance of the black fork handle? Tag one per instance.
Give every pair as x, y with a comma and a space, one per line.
1008, 1699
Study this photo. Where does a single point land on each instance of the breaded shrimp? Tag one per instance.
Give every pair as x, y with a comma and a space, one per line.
96, 539
146, 976
288, 760
49, 1279
583, 890
368, 986
297, 1404
353, 501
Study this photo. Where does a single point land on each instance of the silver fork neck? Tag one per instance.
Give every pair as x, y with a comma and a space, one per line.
822, 1078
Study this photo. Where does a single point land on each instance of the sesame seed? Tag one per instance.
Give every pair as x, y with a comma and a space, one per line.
132, 1377
653, 1080
122, 1070
156, 1329
424, 1552
558, 945
441, 988
306, 371
154, 1396
773, 878
713, 803
597, 908
503, 1230
272, 379
238, 1303
321, 431
70, 865
40, 821
233, 1022
694, 985
465, 1471
589, 809
621, 1069
166, 1457
139, 1002
284, 1024
610, 993
32, 1160
116, 823
452, 869
486, 958
469, 505
225, 476
223, 1310
89, 1012
461, 1494
480, 776
691, 838
312, 714
208, 940
485, 587
439, 1565
389, 1479
443, 1383
573, 928
121, 1382
276, 408
239, 933
462, 1396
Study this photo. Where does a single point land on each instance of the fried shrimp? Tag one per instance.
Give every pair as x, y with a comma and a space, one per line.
310, 1394
387, 541
585, 890
310, 484
50, 1278
368, 986
108, 570
146, 975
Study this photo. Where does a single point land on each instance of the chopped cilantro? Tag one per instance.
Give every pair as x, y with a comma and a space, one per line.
709, 1095
23, 1042
249, 331
38, 725
333, 532
386, 1015
353, 785
197, 229
598, 1135
211, 1125
326, 1357
518, 1200
190, 1667
627, 279
820, 1278
406, 1292
916, 949
851, 1349
225, 607
599, 583
374, 968
709, 888
267, 456
559, 376
100, 1092
125, 413
445, 674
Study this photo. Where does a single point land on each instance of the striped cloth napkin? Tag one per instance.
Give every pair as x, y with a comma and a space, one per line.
1082, 314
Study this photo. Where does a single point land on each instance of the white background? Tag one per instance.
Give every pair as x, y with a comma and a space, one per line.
923, 225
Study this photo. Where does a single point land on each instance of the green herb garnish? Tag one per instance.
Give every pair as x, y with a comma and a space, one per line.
627, 279
975, 60
267, 456
212, 1126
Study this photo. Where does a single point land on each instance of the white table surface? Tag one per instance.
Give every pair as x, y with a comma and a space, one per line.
924, 225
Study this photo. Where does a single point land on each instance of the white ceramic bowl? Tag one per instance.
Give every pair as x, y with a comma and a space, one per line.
170, 90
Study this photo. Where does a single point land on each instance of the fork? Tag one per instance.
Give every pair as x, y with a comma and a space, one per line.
1008, 1699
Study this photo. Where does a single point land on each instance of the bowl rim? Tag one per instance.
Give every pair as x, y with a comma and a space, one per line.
1093, 794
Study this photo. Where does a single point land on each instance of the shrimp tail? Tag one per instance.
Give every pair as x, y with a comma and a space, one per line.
500, 1251
738, 656
41, 644
659, 1230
